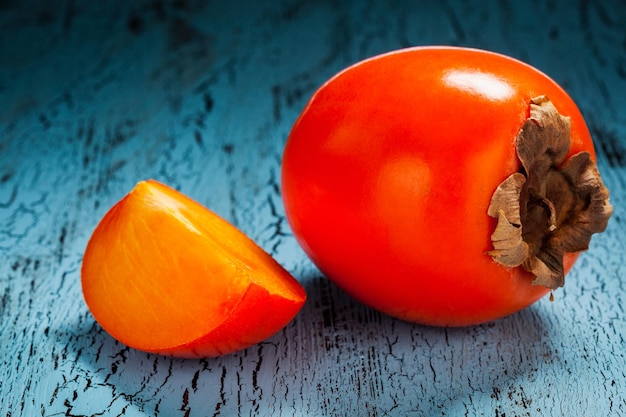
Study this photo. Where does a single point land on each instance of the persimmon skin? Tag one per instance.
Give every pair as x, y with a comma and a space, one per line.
163, 274
388, 172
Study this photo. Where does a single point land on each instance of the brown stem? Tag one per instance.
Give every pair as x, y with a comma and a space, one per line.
554, 207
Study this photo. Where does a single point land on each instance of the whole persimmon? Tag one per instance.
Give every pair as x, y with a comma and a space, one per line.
443, 185
162, 273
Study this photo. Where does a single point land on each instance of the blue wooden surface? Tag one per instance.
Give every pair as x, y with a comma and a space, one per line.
95, 96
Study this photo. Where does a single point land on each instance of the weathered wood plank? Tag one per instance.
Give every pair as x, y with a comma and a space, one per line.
201, 95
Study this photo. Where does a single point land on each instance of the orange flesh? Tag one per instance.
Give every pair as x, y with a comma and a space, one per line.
161, 272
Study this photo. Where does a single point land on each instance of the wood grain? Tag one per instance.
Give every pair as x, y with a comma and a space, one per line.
201, 95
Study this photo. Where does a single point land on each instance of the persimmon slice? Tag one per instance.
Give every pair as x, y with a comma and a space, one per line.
162, 273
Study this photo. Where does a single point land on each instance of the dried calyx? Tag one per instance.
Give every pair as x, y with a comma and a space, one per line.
554, 206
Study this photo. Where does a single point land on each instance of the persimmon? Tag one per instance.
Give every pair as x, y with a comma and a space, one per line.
162, 273
441, 185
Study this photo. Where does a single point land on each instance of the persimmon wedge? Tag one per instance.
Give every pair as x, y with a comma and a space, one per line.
163, 274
